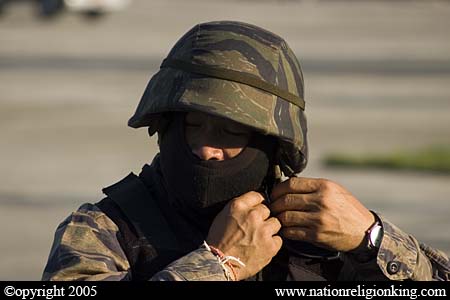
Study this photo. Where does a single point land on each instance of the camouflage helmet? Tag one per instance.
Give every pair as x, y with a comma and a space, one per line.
236, 71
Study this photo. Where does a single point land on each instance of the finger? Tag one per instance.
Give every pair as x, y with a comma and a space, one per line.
296, 218
300, 202
250, 199
278, 242
274, 225
293, 185
263, 210
296, 233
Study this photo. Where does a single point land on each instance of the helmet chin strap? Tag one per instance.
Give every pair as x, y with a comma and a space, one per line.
291, 161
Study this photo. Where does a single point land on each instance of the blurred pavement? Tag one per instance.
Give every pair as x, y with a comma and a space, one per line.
377, 79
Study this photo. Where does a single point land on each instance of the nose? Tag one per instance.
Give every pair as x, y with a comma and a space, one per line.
205, 152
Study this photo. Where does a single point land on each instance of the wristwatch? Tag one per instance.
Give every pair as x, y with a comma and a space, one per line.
375, 235
371, 243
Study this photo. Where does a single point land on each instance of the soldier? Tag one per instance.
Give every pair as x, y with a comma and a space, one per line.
227, 106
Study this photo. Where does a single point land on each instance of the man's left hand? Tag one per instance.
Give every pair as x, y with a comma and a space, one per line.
321, 212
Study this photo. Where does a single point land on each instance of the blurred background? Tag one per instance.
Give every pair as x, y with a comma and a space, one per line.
377, 81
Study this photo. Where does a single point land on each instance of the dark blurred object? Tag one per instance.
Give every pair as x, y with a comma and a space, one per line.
95, 8
87, 8
44, 8
49, 8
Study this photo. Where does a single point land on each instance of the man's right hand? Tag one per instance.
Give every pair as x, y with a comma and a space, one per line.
244, 230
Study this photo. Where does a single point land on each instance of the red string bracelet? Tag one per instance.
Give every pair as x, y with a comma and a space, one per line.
221, 257
225, 260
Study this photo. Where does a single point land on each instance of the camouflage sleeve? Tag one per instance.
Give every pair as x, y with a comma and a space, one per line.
86, 248
199, 265
402, 257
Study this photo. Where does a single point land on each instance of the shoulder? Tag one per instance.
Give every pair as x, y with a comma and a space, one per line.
90, 216
86, 246
87, 230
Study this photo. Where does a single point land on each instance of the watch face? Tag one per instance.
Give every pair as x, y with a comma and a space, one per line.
376, 235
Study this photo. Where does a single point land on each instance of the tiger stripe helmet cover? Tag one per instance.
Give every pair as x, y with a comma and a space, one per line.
236, 71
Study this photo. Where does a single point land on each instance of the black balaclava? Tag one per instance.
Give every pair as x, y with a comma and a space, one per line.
199, 189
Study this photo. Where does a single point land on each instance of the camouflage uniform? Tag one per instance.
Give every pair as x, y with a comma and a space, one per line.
88, 246
251, 76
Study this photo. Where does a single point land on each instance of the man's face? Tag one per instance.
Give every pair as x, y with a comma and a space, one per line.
214, 138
